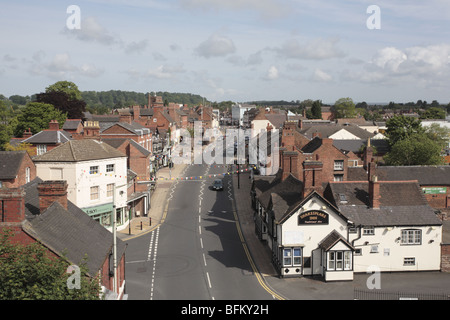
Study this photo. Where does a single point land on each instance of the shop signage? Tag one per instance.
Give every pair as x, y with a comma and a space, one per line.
434, 190
91, 211
313, 217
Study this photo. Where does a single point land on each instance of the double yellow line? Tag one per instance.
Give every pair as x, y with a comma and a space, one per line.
258, 275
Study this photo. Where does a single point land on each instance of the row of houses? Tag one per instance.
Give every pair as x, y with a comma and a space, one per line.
331, 211
76, 185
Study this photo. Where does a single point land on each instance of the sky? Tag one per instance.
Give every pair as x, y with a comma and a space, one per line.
246, 50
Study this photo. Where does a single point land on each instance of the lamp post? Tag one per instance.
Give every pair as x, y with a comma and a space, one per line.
113, 213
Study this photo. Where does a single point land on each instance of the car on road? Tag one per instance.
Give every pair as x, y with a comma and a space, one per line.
217, 185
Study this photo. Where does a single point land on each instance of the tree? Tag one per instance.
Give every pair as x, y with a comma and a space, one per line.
345, 108
316, 109
36, 116
434, 113
62, 101
416, 149
401, 127
65, 86
30, 272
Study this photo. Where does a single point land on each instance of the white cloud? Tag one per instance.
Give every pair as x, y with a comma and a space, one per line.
272, 73
216, 46
91, 31
165, 71
321, 76
136, 47
317, 49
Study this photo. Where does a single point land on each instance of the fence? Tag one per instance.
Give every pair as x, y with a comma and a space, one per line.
384, 295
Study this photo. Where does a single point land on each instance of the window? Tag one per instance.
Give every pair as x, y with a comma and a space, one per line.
338, 164
292, 256
338, 177
94, 193
368, 231
352, 163
93, 170
109, 190
110, 168
41, 149
409, 261
287, 257
339, 260
297, 256
411, 237
27, 174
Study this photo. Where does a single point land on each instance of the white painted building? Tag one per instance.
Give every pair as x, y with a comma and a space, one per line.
359, 226
96, 174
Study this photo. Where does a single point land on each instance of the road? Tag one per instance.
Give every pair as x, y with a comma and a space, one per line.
196, 254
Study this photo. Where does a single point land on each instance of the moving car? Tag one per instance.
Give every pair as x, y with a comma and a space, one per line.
217, 185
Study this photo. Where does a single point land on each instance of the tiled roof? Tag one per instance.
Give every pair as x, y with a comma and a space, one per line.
331, 239
401, 203
426, 175
80, 150
10, 163
49, 137
71, 231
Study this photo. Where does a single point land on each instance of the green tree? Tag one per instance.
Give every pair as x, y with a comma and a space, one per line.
37, 116
65, 86
316, 109
30, 272
345, 108
434, 113
415, 149
401, 127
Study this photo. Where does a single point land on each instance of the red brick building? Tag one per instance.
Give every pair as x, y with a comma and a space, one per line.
16, 169
40, 212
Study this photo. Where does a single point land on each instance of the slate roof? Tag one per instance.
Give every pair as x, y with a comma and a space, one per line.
281, 196
426, 175
80, 150
331, 239
71, 231
49, 137
327, 130
71, 124
402, 203
381, 145
134, 127
10, 162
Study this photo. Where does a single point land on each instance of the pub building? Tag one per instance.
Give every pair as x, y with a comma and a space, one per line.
340, 228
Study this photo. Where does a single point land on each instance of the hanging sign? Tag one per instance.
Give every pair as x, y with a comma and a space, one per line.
313, 217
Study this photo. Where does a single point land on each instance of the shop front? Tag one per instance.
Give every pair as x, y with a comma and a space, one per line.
103, 215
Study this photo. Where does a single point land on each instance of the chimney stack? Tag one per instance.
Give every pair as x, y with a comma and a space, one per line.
12, 205
368, 155
136, 113
374, 192
125, 117
50, 191
27, 134
91, 130
53, 125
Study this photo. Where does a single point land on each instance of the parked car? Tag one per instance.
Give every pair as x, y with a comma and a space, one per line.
217, 185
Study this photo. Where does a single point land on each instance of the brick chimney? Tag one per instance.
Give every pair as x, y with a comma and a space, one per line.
27, 134
125, 117
374, 192
288, 138
12, 204
289, 164
50, 191
136, 113
91, 130
53, 125
312, 176
367, 155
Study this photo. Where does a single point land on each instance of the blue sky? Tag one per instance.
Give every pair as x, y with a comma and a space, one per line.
231, 50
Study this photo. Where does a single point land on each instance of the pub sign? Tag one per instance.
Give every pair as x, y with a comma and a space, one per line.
313, 217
